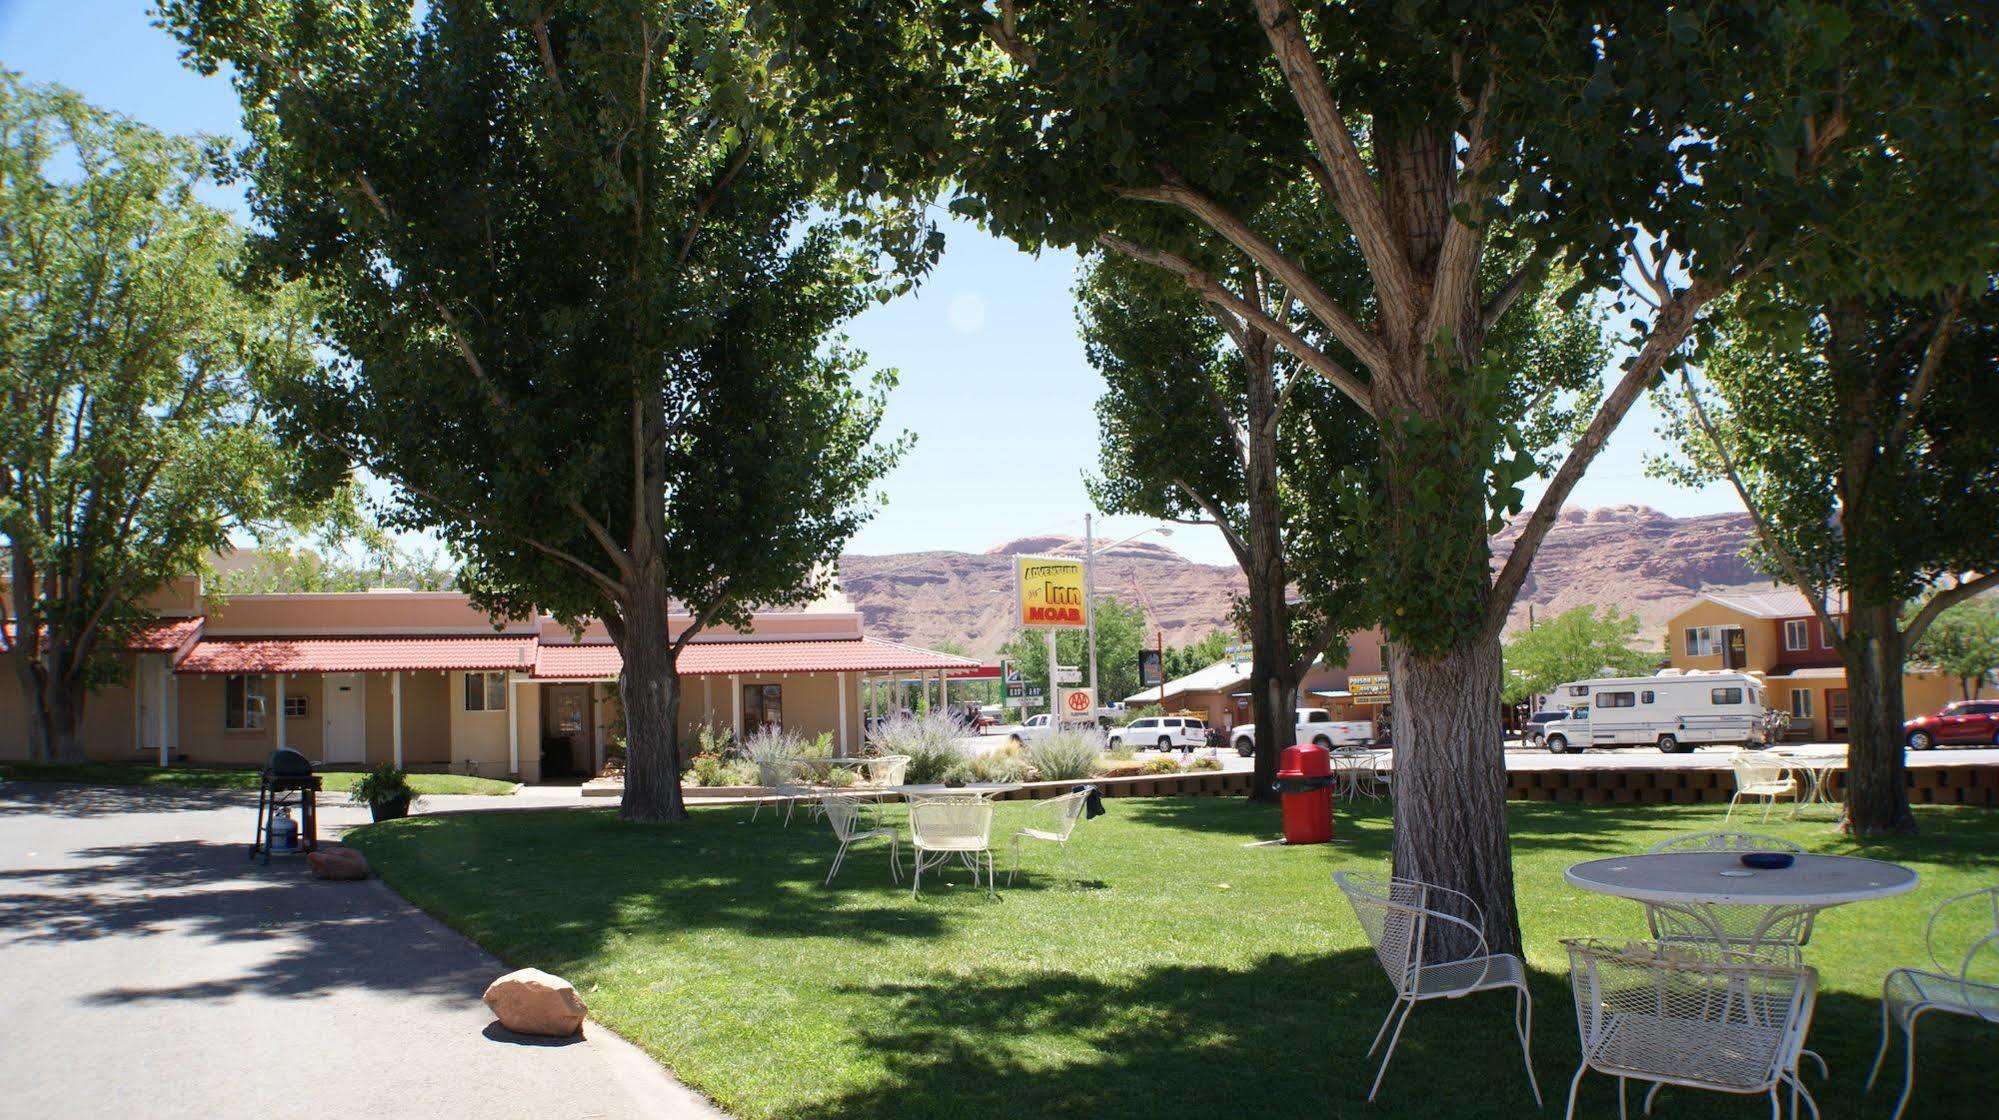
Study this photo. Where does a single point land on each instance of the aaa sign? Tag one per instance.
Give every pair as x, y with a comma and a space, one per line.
1048, 591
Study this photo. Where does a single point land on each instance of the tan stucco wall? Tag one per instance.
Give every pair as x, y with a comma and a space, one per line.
1762, 640
481, 737
397, 613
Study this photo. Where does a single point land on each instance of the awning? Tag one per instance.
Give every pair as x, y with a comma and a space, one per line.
357, 655
1333, 693
164, 635
1814, 673
750, 658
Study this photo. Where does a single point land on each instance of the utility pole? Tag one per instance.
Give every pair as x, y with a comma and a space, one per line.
1090, 604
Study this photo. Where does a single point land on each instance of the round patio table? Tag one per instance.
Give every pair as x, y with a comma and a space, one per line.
1697, 882
938, 789
1817, 765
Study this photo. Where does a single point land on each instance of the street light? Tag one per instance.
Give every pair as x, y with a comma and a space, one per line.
1090, 592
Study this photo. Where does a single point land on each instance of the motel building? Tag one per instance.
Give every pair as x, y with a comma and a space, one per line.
426, 680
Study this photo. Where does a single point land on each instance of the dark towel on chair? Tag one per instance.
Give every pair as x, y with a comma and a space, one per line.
1093, 803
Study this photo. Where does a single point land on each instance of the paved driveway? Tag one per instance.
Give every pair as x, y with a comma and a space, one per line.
147, 968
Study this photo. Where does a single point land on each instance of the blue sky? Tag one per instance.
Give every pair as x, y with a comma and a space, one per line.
993, 380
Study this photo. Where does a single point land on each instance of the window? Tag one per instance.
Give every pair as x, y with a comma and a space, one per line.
1801, 703
1145, 725
1647, 696
1724, 696
1701, 641
295, 706
243, 704
1797, 635
485, 692
1578, 690
763, 707
1616, 699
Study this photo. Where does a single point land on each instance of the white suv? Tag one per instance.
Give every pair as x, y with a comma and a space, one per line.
1163, 732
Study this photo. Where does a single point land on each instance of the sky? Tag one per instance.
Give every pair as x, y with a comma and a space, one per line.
993, 381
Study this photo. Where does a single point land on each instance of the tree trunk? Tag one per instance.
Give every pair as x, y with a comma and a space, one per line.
1877, 792
1450, 786
1273, 687
1273, 682
649, 687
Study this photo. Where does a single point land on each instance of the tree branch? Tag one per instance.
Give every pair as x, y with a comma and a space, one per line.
1354, 193
1933, 356
1943, 601
709, 200
1214, 293
1229, 534
1674, 322
1523, 279
1343, 326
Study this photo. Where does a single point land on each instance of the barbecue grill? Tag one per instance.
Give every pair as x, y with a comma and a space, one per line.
288, 780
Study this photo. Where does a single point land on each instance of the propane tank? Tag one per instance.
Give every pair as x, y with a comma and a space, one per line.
284, 832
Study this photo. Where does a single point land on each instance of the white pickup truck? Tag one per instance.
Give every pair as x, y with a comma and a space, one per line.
1315, 725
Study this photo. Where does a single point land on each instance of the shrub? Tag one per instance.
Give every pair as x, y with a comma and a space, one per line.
1123, 752
1064, 755
776, 754
930, 741
1205, 762
1119, 768
385, 783
1008, 764
714, 770
1162, 765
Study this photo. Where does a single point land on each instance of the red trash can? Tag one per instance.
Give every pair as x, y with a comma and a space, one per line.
1305, 781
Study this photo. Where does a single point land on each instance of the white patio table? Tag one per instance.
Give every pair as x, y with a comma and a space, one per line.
938, 789
1694, 883
1817, 765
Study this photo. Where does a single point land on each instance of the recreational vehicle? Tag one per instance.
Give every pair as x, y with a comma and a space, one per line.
1674, 711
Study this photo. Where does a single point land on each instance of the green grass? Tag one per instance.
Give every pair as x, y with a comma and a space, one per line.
206, 777
1196, 976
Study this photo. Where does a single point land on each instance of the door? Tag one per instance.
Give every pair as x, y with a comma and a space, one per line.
1835, 712
346, 718
150, 687
565, 730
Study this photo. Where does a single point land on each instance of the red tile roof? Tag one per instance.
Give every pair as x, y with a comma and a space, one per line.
840, 655
356, 655
165, 635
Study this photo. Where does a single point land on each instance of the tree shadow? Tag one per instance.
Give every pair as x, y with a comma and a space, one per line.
82, 801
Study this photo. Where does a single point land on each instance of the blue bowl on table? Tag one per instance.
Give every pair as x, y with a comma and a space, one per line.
1767, 861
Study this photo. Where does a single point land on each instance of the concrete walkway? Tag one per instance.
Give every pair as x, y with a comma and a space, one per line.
147, 968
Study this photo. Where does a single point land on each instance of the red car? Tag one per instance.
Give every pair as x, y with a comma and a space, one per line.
1960, 721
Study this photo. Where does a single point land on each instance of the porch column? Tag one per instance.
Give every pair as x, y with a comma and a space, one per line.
279, 715
707, 700
840, 682
396, 716
736, 706
160, 715
513, 731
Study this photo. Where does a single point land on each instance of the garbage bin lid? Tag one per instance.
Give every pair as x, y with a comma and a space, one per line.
1306, 760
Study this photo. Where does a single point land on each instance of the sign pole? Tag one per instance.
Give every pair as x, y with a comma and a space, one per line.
1159, 638
1054, 716
1090, 599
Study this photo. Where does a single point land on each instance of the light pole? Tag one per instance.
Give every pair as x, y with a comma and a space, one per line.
1090, 593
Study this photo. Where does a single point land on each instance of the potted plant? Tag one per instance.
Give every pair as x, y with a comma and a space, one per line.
386, 790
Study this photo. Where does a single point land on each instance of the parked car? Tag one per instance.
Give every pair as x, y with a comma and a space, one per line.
1044, 724
1315, 725
1163, 732
1535, 734
1960, 721
1674, 711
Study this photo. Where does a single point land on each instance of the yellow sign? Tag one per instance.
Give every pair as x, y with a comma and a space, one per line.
1048, 592
1368, 688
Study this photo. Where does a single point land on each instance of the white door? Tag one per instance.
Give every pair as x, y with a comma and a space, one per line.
346, 718
150, 685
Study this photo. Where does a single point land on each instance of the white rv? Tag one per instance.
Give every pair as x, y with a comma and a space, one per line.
1674, 711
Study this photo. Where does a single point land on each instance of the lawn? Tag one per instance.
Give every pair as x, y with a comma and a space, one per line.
205, 777
1196, 976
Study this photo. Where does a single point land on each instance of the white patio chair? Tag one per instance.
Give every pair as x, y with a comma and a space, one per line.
1965, 982
1054, 820
1397, 915
844, 813
781, 777
887, 770
1678, 1015
1782, 930
944, 827
1762, 776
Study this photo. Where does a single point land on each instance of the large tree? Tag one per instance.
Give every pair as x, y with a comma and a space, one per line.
583, 309
1873, 479
1664, 151
133, 433
1207, 420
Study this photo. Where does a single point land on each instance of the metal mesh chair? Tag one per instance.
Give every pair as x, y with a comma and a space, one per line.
1397, 915
1965, 981
887, 770
1677, 1015
844, 812
1760, 775
1054, 820
1782, 930
942, 827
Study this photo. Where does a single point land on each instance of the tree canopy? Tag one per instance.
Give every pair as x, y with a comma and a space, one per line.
584, 312
1575, 645
1964, 643
134, 429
